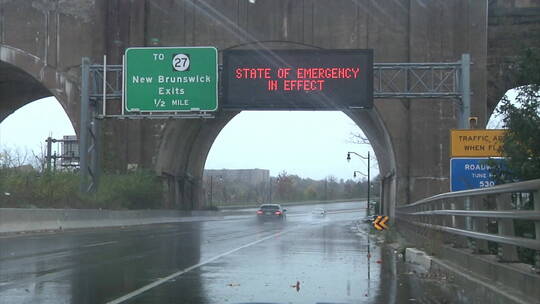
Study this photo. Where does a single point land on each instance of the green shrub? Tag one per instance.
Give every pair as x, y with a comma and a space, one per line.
60, 189
140, 189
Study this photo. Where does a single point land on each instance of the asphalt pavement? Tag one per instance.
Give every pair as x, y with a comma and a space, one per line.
306, 259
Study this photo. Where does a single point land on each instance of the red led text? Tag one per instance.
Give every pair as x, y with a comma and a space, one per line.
297, 79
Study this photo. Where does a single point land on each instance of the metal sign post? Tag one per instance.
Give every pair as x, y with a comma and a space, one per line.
465, 91
88, 142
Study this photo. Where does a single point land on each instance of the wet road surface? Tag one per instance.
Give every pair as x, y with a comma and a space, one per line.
306, 259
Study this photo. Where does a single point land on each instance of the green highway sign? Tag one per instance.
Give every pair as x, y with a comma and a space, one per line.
171, 79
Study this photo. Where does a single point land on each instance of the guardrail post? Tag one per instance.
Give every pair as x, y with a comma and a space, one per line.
507, 253
536, 199
479, 225
459, 223
445, 221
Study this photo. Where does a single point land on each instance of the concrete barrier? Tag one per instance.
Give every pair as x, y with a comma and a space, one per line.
26, 220
484, 277
415, 256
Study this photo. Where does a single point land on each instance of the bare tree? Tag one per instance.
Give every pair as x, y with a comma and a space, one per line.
358, 138
13, 158
39, 161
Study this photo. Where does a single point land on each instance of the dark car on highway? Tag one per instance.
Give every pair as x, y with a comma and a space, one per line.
271, 211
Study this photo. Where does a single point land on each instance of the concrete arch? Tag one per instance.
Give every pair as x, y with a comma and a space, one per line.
513, 27
413, 133
181, 157
25, 78
185, 146
373, 126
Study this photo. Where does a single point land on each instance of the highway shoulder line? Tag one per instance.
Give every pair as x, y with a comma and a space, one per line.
181, 272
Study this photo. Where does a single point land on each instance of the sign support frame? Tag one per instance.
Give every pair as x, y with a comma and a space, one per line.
96, 86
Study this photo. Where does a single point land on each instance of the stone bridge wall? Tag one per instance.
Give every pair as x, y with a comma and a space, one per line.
42, 42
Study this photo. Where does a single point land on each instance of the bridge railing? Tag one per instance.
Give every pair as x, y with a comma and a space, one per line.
504, 219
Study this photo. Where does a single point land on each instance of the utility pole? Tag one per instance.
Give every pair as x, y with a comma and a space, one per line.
269, 191
368, 185
48, 155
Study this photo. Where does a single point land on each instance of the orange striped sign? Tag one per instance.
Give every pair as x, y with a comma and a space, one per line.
380, 222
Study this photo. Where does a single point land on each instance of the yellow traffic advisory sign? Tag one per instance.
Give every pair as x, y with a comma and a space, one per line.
476, 143
380, 222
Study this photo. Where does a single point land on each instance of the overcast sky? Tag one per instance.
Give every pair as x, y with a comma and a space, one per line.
309, 144
28, 127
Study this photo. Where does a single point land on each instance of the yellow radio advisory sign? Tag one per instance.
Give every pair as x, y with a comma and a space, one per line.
476, 143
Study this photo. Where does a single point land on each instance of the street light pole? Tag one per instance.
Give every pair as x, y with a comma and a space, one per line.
368, 176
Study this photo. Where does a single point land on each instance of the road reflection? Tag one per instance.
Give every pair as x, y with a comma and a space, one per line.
305, 259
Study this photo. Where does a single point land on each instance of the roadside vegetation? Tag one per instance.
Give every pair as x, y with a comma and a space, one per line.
287, 188
25, 182
521, 118
521, 144
24, 185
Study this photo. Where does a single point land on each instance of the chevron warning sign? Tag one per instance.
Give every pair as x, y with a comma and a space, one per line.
380, 222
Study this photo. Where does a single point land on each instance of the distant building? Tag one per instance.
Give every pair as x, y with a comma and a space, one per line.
252, 177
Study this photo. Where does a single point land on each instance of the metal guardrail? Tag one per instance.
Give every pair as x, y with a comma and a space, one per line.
472, 218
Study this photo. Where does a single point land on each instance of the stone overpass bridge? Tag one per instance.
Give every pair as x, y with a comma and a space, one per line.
42, 43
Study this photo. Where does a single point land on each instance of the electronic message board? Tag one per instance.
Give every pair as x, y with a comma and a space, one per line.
297, 79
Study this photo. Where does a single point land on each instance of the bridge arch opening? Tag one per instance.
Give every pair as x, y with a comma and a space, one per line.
29, 110
306, 149
185, 146
24, 132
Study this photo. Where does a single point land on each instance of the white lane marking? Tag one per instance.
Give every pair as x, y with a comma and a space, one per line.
181, 272
99, 244
327, 211
344, 210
